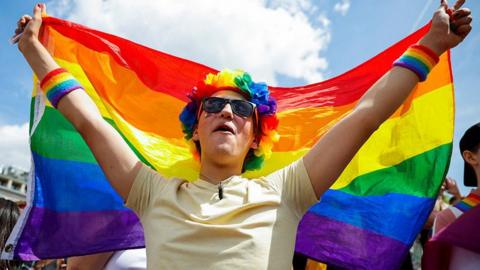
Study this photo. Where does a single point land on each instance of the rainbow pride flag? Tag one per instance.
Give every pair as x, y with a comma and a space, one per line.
367, 220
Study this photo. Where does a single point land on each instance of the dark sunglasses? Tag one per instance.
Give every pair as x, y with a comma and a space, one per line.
240, 107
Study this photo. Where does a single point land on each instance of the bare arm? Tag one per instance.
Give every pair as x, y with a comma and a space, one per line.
115, 157
325, 163
93, 261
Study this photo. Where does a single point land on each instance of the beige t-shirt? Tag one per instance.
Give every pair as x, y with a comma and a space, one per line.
254, 226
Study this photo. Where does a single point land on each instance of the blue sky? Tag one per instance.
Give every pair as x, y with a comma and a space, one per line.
326, 38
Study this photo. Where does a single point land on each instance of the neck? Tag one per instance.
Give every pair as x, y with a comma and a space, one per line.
215, 173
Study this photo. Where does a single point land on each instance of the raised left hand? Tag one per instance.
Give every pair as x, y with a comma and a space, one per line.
449, 27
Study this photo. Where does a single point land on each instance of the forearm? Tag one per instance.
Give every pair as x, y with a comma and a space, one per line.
117, 160
80, 110
113, 154
388, 93
77, 107
37, 57
385, 96
376, 106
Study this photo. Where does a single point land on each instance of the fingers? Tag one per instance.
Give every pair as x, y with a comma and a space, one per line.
23, 20
461, 13
450, 182
29, 26
44, 10
443, 4
463, 30
37, 11
21, 23
462, 20
458, 4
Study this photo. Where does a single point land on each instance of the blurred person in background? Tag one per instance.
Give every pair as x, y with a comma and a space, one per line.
9, 213
131, 259
455, 242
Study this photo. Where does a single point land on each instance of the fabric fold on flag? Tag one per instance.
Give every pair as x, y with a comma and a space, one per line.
368, 219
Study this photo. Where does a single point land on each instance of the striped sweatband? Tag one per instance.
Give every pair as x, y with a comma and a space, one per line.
57, 83
419, 59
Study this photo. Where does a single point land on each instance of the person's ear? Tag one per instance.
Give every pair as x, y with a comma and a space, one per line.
470, 157
195, 135
254, 144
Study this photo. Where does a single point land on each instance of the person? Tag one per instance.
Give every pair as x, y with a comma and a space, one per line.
450, 186
470, 150
222, 220
443, 201
458, 257
130, 259
9, 213
50, 264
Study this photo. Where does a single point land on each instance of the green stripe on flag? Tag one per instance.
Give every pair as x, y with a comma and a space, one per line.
55, 137
419, 176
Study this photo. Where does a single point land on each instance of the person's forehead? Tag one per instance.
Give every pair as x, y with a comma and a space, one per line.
228, 94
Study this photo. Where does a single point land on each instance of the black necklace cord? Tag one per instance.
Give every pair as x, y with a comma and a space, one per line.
220, 190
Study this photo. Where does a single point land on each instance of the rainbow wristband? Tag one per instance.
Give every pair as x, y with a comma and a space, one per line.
419, 59
57, 83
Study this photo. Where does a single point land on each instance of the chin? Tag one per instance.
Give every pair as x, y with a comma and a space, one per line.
223, 150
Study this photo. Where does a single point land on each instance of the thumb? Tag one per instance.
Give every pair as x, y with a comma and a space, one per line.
444, 10
37, 11
444, 4
44, 10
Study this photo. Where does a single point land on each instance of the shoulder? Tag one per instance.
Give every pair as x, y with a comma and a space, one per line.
295, 169
148, 176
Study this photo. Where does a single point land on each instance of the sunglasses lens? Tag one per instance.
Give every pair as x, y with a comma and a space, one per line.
242, 108
213, 104
239, 107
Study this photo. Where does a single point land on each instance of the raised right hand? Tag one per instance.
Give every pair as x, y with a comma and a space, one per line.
29, 27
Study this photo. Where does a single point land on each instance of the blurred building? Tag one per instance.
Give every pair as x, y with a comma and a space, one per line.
13, 183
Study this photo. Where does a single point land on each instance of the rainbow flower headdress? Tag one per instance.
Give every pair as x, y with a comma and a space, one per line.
241, 82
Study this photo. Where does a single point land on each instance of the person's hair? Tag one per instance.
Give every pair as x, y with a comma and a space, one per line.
265, 125
470, 141
9, 213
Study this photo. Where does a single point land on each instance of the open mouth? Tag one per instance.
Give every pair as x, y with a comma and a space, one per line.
225, 128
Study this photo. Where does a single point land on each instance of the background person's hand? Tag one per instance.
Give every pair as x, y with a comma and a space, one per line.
449, 27
28, 27
451, 187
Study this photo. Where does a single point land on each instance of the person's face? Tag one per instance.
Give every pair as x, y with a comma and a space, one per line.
225, 137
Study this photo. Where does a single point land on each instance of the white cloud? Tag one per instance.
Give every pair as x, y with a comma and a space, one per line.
293, 6
262, 37
342, 7
14, 146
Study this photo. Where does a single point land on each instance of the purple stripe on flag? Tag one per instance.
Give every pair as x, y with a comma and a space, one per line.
48, 232
352, 248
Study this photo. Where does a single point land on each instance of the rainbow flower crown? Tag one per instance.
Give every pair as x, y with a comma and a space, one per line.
241, 82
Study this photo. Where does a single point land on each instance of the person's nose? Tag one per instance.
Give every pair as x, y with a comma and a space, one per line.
227, 112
